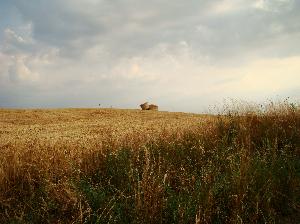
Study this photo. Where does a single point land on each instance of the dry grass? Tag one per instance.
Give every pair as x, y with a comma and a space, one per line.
40, 148
130, 166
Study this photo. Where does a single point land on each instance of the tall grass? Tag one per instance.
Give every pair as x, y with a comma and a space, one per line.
241, 167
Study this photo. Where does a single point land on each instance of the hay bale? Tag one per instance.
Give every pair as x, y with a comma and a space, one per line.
145, 106
153, 107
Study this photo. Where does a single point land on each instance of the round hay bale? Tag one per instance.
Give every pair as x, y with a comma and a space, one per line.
145, 106
153, 107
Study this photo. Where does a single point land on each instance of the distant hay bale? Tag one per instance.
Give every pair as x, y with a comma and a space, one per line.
145, 106
153, 107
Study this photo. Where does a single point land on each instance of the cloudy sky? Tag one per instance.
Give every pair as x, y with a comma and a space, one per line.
183, 55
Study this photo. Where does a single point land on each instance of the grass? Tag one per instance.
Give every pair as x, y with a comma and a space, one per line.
128, 166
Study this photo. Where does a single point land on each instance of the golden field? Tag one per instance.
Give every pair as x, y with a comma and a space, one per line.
85, 128
51, 142
132, 166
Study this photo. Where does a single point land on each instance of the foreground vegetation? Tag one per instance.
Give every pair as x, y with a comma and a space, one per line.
114, 166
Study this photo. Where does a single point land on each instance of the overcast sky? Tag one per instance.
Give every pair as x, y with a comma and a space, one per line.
183, 55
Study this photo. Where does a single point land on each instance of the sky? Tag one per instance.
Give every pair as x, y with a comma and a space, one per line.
184, 55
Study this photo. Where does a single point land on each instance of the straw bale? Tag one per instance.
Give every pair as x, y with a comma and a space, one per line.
145, 106
153, 107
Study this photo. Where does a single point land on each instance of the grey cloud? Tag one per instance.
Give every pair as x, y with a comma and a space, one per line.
243, 32
124, 24
120, 52
127, 28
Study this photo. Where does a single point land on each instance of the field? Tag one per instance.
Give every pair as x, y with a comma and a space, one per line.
131, 166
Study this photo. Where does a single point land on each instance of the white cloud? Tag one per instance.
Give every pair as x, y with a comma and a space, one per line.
21, 57
274, 5
11, 36
227, 6
18, 71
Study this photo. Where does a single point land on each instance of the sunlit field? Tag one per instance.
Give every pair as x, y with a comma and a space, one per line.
132, 166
